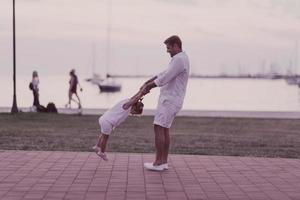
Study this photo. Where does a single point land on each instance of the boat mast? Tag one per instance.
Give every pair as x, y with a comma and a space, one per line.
108, 39
93, 58
296, 57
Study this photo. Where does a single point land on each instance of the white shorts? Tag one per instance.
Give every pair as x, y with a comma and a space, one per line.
165, 114
105, 127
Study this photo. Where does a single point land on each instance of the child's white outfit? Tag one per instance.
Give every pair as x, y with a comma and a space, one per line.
113, 117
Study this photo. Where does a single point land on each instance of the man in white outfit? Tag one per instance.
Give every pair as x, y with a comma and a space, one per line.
172, 83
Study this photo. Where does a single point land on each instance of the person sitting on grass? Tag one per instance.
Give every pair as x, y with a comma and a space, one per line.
114, 117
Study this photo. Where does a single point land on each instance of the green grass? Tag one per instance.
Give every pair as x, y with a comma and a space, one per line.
189, 135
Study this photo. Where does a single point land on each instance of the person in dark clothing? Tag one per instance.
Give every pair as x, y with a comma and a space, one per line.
73, 89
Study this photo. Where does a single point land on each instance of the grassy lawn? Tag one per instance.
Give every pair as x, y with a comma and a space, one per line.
189, 135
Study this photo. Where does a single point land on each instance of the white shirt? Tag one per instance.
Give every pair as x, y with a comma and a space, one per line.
173, 81
116, 115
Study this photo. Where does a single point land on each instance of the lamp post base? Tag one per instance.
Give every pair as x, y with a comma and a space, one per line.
14, 108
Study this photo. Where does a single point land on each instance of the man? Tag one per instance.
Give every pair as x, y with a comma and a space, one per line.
172, 83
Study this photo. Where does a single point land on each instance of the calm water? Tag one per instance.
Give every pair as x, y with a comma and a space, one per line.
202, 94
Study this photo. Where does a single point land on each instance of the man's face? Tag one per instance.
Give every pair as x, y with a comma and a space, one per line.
172, 50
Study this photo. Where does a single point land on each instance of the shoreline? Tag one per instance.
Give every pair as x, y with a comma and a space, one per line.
185, 113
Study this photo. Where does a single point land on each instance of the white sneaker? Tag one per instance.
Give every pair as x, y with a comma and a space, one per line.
152, 167
165, 166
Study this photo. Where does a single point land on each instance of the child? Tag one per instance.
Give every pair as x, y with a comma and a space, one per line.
114, 117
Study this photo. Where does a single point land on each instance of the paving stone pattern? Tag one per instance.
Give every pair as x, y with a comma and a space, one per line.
82, 175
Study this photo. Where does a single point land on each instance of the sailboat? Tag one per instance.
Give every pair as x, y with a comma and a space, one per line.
96, 79
108, 84
293, 78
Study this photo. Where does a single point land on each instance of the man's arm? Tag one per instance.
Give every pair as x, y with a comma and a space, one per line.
150, 80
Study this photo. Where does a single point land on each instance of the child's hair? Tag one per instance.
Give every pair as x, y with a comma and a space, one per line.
137, 108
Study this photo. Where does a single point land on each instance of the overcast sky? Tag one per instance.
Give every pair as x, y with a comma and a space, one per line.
232, 36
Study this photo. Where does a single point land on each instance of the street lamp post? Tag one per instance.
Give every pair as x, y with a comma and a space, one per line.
14, 108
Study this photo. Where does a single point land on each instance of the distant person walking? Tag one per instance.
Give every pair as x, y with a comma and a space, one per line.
73, 89
172, 83
34, 86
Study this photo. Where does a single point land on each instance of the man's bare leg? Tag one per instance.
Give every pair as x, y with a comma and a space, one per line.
159, 144
166, 146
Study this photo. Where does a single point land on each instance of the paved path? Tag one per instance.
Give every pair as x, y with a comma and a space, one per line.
82, 175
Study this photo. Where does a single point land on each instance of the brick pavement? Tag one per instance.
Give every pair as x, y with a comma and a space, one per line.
82, 175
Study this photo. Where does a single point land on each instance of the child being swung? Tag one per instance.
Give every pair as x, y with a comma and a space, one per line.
114, 117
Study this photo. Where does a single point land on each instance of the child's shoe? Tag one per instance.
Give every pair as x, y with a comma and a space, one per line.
99, 153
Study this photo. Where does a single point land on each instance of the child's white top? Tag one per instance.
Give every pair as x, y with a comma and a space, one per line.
116, 115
